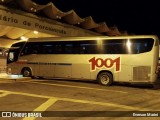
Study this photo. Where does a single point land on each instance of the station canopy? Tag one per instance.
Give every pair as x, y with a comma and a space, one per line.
23, 19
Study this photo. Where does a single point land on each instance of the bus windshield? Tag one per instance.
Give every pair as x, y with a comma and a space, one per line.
14, 52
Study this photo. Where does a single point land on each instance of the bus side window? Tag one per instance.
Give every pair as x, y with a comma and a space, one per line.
90, 47
58, 49
75, 49
46, 49
34, 52
35, 49
114, 47
25, 51
83, 49
68, 49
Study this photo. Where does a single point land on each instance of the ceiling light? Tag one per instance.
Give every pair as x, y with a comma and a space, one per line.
35, 32
24, 38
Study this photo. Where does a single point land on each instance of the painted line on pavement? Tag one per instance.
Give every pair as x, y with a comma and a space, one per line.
82, 101
154, 92
46, 105
79, 87
43, 107
4, 94
6, 81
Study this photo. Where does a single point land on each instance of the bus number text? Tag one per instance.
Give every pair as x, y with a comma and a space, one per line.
108, 63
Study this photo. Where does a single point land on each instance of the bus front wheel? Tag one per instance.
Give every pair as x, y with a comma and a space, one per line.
105, 78
26, 72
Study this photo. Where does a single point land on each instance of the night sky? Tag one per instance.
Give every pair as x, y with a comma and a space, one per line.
133, 16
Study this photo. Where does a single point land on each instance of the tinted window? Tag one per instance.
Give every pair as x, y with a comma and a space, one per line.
47, 49
129, 46
31, 48
121, 46
114, 47
89, 47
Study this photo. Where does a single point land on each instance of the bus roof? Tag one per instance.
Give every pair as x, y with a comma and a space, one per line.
89, 38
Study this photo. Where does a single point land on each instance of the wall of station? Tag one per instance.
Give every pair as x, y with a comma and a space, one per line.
29, 21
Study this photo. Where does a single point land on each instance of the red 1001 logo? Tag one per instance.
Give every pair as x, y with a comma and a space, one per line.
107, 63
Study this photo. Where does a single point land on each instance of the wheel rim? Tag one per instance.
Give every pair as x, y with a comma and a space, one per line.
26, 73
104, 79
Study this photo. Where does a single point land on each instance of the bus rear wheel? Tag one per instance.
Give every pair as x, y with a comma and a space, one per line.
105, 78
26, 72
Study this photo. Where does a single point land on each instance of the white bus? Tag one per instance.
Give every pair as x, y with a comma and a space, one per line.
105, 59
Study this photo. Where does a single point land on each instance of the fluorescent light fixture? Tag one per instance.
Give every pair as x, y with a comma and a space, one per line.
35, 32
24, 38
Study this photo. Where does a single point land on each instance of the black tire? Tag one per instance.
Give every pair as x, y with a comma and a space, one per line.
26, 72
105, 78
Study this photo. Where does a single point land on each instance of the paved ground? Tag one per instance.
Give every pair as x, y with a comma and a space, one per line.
63, 99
